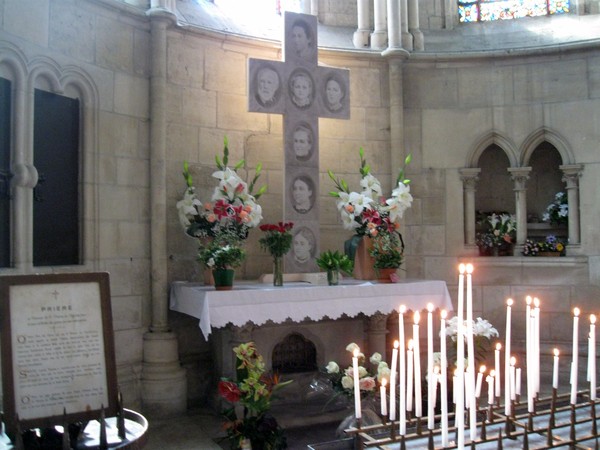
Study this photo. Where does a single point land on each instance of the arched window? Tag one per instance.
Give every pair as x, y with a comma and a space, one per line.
486, 10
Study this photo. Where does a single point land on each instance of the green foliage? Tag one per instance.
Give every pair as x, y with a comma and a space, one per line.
329, 260
388, 250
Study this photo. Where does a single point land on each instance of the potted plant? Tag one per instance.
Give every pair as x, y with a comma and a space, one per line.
333, 262
557, 212
222, 255
388, 253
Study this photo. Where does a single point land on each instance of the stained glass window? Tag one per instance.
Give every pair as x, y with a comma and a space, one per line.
486, 10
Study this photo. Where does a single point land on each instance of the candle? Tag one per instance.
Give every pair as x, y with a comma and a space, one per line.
433, 397
383, 395
471, 354
536, 345
460, 362
417, 356
555, 370
592, 357
357, 410
393, 381
431, 380
490, 382
497, 368
402, 355
529, 352
409, 374
444, 379
479, 381
518, 382
575, 356
509, 304
513, 380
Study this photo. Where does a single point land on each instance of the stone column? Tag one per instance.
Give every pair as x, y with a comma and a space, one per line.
407, 38
413, 25
379, 36
520, 175
377, 333
394, 24
361, 35
571, 175
164, 385
314, 7
469, 177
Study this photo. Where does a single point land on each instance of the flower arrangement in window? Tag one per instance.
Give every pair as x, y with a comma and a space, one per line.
369, 213
557, 212
252, 392
551, 244
226, 219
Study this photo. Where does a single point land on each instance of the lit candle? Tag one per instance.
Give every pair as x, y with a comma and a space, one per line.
471, 354
536, 345
409, 373
460, 362
509, 303
417, 356
431, 381
435, 376
575, 356
529, 353
490, 381
444, 379
402, 355
518, 382
383, 395
555, 370
393, 381
479, 381
512, 385
497, 368
357, 410
592, 357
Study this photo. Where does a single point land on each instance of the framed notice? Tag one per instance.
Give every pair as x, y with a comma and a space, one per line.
57, 349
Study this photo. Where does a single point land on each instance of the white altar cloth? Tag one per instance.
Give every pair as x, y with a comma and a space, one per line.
259, 303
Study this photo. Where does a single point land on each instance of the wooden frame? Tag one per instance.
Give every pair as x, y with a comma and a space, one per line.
58, 359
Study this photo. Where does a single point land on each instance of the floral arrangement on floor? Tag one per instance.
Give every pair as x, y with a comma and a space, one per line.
483, 332
369, 213
550, 244
342, 381
277, 239
222, 223
557, 212
250, 398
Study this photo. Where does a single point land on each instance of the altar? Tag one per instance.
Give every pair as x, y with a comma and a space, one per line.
328, 317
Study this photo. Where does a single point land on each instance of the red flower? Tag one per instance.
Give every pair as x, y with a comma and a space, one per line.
229, 391
222, 209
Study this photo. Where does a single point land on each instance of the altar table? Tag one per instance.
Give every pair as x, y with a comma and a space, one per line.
258, 303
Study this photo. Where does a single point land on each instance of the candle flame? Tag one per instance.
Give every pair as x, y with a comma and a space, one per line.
498, 346
576, 311
430, 307
469, 268
509, 302
396, 344
513, 360
482, 369
410, 344
492, 373
417, 317
528, 300
556, 352
402, 309
593, 318
444, 313
461, 268
536, 302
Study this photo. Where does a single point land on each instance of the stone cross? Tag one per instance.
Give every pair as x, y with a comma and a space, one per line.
302, 91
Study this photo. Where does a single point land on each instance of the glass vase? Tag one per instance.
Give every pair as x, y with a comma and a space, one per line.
277, 271
333, 277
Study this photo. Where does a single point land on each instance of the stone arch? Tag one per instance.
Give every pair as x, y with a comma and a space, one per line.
488, 139
280, 333
541, 135
13, 61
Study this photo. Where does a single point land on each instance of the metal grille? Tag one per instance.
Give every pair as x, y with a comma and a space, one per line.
294, 354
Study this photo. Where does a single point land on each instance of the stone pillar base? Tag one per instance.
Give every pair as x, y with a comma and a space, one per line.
360, 39
164, 383
418, 39
379, 39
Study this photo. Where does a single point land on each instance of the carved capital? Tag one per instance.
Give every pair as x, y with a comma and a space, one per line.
519, 175
469, 177
378, 322
571, 175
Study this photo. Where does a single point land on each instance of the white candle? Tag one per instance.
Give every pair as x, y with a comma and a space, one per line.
431, 381
471, 354
518, 382
575, 356
536, 345
555, 370
383, 394
512, 385
433, 398
417, 356
497, 368
402, 387
592, 357
357, 410
409, 374
460, 362
479, 381
509, 303
444, 379
490, 382
393, 381
529, 353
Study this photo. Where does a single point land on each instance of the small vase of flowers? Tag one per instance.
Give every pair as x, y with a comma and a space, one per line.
277, 240
333, 263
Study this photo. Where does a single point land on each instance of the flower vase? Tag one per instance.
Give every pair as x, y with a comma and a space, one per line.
333, 277
495, 250
223, 279
277, 271
359, 249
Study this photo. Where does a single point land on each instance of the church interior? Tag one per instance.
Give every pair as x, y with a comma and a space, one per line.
488, 112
